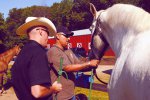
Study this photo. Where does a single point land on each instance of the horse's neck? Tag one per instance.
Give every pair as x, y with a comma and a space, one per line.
119, 36
8, 55
122, 28
120, 40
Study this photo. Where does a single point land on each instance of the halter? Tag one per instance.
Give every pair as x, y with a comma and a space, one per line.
93, 29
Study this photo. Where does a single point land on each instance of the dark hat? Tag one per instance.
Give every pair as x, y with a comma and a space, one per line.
64, 31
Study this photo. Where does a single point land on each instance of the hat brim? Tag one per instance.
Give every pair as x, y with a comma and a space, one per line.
67, 35
22, 30
70, 34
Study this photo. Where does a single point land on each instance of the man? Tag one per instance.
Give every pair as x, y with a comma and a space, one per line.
55, 53
30, 72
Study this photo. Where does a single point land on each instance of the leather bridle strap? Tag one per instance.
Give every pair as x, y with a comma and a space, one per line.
104, 49
94, 72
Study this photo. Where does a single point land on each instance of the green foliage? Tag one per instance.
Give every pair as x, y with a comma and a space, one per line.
2, 33
60, 12
81, 17
2, 28
73, 14
145, 4
134, 2
96, 95
17, 17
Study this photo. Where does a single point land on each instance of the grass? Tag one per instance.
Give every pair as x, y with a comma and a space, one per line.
95, 95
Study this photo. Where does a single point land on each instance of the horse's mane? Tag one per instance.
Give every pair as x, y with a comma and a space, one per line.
128, 16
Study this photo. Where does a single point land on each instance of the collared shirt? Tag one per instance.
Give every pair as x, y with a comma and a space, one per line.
54, 55
30, 68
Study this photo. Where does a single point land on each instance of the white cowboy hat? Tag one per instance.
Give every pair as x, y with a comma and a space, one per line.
36, 21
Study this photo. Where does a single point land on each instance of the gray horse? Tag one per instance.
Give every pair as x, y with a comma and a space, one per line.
126, 28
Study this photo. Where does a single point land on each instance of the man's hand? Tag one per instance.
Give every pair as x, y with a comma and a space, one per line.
57, 87
94, 63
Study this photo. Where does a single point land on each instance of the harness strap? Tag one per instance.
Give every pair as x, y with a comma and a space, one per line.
99, 78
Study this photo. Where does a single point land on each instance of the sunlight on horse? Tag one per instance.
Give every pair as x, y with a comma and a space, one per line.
5, 58
126, 28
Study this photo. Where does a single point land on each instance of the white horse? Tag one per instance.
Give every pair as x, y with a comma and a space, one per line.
126, 28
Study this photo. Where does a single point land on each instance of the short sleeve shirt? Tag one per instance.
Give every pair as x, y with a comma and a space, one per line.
54, 55
30, 68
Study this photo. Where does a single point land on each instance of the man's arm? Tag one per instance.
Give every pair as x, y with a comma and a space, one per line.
78, 67
39, 91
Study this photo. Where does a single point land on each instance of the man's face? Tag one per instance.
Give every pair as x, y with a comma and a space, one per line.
63, 40
43, 34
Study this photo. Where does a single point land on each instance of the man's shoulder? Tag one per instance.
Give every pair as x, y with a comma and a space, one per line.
55, 49
31, 49
52, 49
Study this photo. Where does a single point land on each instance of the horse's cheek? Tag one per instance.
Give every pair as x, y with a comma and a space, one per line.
98, 43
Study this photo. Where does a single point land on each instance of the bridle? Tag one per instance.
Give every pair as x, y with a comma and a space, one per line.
93, 29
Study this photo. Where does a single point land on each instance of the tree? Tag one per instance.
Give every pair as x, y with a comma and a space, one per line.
134, 2
2, 33
145, 4
60, 12
74, 14
79, 16
17, 17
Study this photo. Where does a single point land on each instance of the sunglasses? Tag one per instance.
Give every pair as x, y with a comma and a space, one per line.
65, 35
43, 30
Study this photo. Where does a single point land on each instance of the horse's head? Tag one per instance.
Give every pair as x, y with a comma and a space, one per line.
98, 42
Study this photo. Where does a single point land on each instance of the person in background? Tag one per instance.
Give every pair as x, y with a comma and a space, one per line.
55, 53
30, 72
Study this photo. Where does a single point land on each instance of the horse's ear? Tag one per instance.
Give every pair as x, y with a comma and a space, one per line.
93, 10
